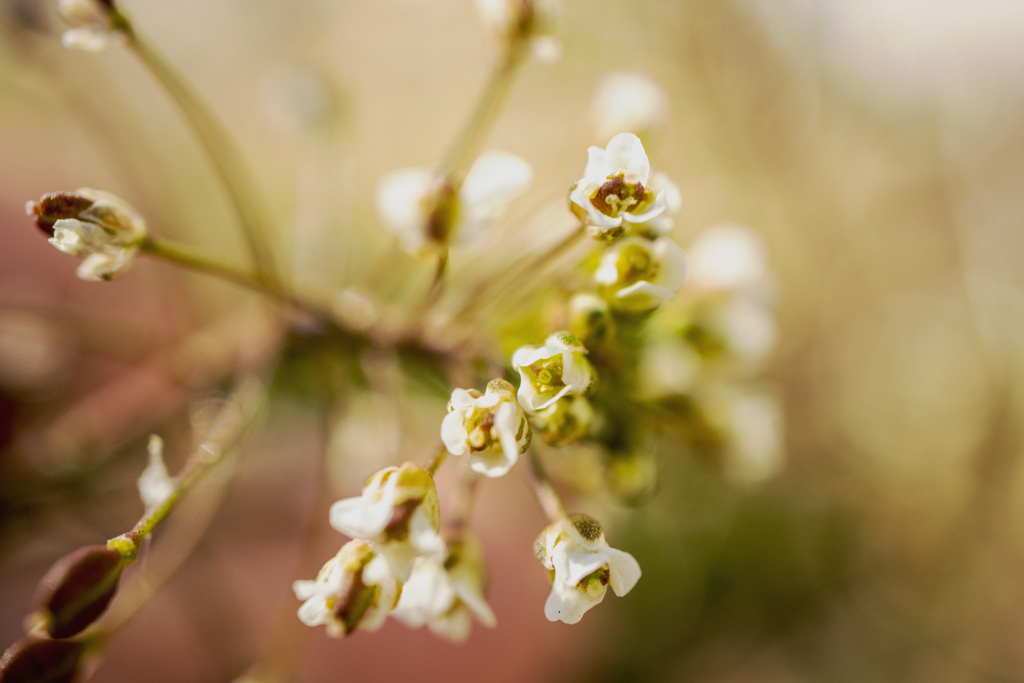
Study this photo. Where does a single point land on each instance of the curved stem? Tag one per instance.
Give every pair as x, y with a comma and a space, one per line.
230, 428
227, 160
489, 105
436, 462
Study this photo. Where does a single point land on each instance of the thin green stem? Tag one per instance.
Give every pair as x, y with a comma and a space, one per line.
469, 485
229, 429
194, 260
518, 271
227, 160
547, 496
485, 113
436, 462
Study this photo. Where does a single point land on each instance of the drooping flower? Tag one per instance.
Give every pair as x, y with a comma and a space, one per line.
582, 566
92, 30
628, 101
533, 21
98, 227
399, 511
614, 188
423, 211
638, 275
445, 595
491, 427
557, 369
357, 588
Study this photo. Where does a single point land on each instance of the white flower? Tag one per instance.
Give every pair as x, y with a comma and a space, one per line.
728, 257
628, 101
357, 588
155, 484
749, 326
557, 369
444, 595
96, 226
534, 21
415, 204
582, 566
613, 187
92, 30
399, 511
491, 427
638, 275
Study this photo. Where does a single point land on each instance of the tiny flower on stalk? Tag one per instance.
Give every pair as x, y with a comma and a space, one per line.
425, 211
532, 22
399, 511
559, 368
637, 275
728, 257
582, 565
357, 588
93, 30
628, 101
443, 596
614, 188
564, 422
491, 427
96, 226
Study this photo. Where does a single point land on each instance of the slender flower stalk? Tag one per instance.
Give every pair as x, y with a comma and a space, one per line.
228, 162
547, 496
229, 430
492, 100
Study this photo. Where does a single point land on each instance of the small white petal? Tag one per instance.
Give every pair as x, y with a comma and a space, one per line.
453, 433
623, 571
568, 605
155, 484
495, 178
86, 39
598, 168
355, 518
656, 208
401, 199
625, 153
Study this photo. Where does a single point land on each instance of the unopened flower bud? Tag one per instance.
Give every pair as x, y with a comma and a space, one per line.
590, 319
491, 427
77, 589
444, 594
357, 588
582, 566
614, 188
92, 29
557, 369
637, 275
40, 660
399, 511
96, 226
533, 22
564, 422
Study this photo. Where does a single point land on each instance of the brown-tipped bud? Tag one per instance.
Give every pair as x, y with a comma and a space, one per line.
55, 206
78, 588
40, 660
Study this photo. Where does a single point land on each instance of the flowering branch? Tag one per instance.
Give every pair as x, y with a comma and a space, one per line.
229, 429
227, 160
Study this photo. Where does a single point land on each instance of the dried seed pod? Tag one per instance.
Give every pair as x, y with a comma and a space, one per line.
77, 589
40, 660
